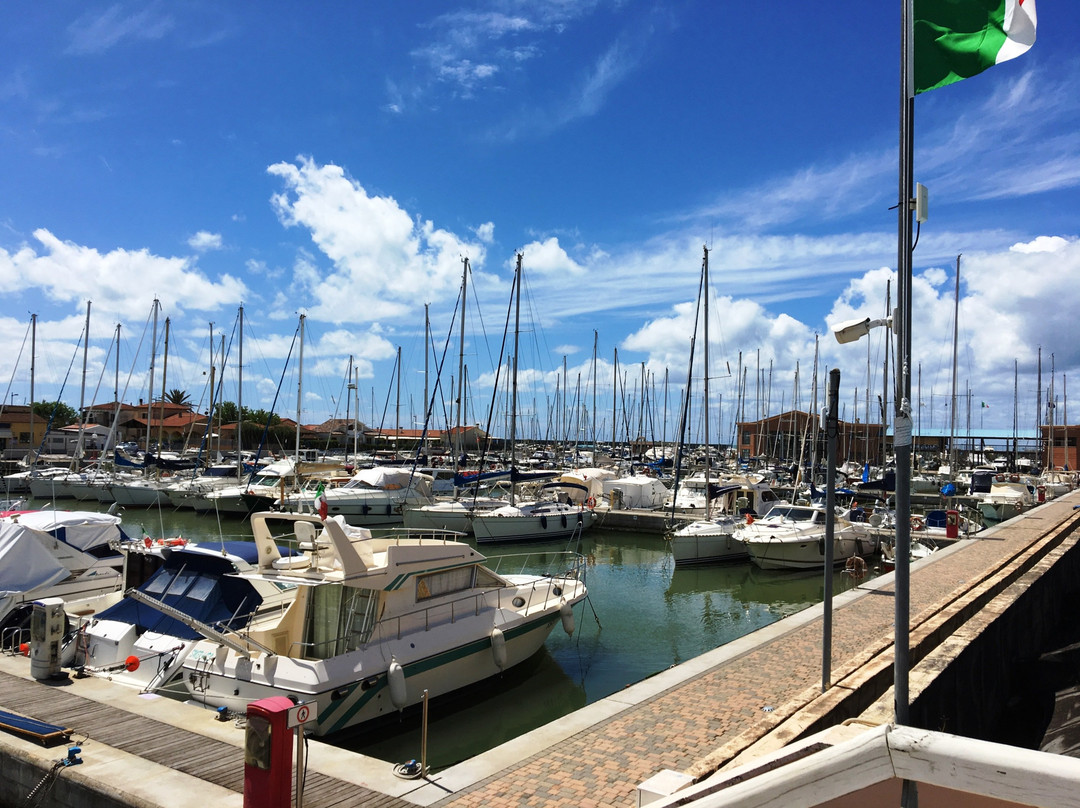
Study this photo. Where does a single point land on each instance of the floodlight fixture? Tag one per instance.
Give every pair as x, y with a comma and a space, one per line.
856, 329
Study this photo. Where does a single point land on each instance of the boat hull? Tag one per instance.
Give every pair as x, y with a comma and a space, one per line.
806, 552
346, 701
707, 543
528, 527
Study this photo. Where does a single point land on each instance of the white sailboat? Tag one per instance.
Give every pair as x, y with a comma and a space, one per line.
536, 520
711, 539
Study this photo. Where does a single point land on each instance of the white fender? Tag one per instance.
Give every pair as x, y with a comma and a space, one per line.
567, 615
395, 674
498, 647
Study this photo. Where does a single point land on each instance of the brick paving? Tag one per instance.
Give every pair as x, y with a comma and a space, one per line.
602, 765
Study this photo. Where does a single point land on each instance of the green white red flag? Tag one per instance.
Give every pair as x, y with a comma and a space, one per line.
957, 39
321, 503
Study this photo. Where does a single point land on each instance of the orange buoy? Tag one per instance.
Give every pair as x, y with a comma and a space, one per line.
131, 664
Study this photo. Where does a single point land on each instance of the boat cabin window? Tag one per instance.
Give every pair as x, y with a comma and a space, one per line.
445, 582
340, 619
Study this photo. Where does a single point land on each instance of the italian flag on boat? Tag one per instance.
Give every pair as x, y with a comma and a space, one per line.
320, 502
957, 39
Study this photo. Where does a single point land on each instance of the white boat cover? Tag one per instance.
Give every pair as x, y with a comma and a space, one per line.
83, 530
25, 563
391, 479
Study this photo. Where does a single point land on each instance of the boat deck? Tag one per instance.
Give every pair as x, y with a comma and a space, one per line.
747, 697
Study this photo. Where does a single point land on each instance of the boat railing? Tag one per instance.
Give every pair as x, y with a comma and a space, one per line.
474, 604
13, 638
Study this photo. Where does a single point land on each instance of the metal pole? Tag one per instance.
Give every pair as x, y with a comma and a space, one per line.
902, 420
298, 790
423, 737
831, 429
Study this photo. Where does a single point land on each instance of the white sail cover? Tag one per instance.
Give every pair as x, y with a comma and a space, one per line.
25, 563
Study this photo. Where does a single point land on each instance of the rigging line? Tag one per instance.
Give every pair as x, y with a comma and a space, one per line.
430, 406
498, 373
122, 395
3, 402
56, 405
273, 408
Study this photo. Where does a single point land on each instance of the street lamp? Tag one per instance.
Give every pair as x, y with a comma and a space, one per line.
850, 332
856, 329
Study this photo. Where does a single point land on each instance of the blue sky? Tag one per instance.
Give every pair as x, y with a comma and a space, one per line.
338, 160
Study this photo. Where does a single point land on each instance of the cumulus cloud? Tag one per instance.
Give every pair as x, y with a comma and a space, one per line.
203, 241
117, 280
384, 264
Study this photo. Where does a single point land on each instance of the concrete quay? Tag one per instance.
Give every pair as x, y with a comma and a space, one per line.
742, 700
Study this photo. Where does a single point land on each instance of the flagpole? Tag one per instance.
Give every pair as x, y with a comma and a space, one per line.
902, 437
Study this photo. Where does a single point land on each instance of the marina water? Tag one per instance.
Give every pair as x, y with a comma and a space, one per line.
642, 616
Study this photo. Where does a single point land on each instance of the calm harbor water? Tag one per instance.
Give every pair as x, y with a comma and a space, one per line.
642, 616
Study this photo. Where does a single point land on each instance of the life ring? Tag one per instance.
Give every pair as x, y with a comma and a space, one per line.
590, 502
917, 522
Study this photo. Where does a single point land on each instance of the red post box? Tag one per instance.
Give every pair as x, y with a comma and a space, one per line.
952, 524
268, 762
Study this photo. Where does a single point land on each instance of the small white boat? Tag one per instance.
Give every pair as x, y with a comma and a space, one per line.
540, 520
375, 497
377, 621
920, 548
712, 540
56, 554
455, 515
793, 537
1009, 496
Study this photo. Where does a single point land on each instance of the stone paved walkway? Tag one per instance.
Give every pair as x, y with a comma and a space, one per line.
603, 764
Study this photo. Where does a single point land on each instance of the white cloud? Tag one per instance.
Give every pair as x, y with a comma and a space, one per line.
118, 281
203, 241
385, 264
98, 31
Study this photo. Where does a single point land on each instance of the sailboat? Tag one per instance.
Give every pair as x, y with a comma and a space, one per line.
535, 520
712, 539
456, 513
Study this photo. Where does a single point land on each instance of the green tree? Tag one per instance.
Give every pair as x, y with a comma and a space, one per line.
177, 396
225, 412
61, 413
262, 417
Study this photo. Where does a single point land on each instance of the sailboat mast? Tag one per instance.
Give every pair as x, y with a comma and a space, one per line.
82, 390
705, 332
150, 386
164, 375
33, 351
592, 431
240, 398
952, 407
459, 421
514, 372
299, 395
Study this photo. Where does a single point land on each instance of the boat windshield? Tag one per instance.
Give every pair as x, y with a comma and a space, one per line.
792, 513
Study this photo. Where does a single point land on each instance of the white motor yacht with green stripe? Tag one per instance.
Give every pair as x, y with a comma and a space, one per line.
379, 620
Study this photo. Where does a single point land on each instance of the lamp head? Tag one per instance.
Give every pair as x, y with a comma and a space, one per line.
852, 330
